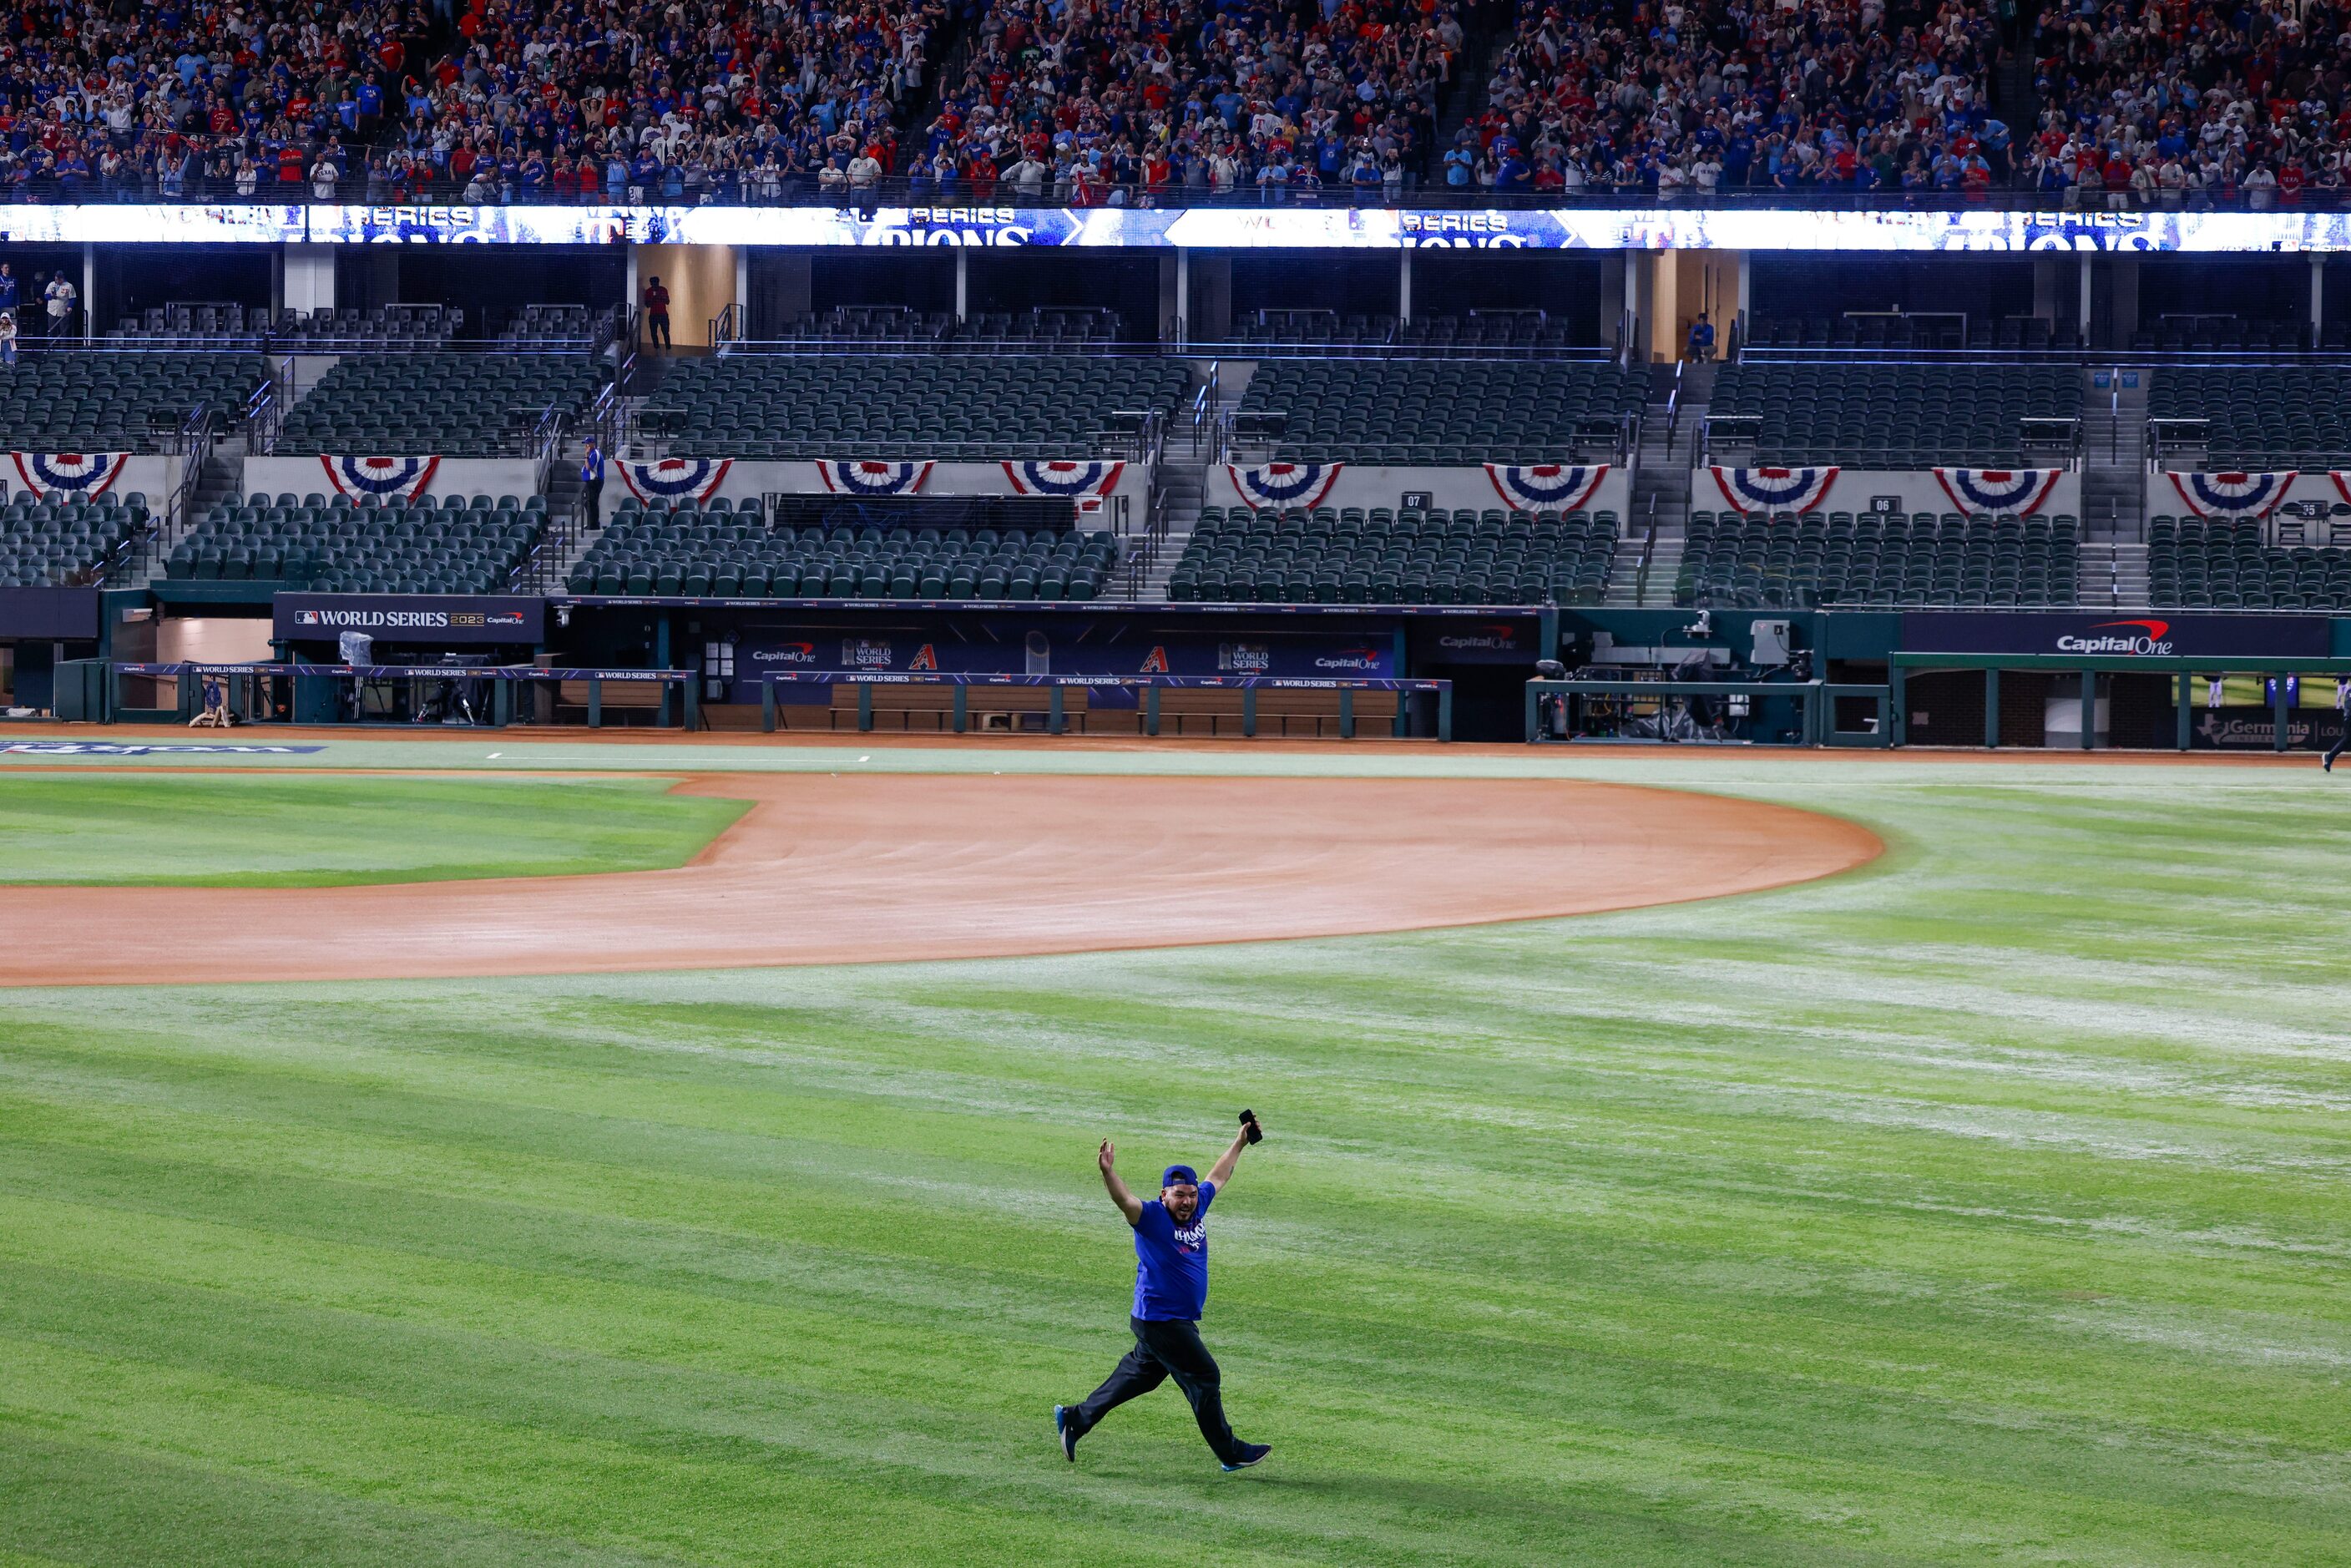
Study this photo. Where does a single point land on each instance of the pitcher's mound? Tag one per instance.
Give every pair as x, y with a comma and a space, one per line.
870, 868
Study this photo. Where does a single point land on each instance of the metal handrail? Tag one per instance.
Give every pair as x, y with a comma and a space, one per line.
195, 442
1648, 554
802, 189
726, 326
547, 438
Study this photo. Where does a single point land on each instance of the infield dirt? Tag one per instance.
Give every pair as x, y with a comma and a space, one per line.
881, 868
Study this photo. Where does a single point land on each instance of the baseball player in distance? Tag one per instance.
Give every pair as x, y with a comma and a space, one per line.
1171, 1287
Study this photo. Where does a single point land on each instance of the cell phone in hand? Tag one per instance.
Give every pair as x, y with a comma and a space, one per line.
1248, 1124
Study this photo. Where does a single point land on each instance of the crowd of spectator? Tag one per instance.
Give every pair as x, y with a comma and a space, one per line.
2173, 103
492, 100
1688, 98
1120, 101
2143, 102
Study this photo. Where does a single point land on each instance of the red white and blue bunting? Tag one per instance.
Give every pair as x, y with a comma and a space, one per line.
2231, 494
72, 473
1545, 486
2342, 479
1276, 485
1074, 480
382, 477
1774, 489
2020, 492
866, 476
675, 478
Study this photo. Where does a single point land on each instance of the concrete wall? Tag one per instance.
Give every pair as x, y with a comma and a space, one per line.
212, 640
752, 479
1366, 485
1916, 490
491, 477
2164, 500
153, 476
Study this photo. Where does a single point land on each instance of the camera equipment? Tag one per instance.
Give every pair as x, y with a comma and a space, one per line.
1248, 1124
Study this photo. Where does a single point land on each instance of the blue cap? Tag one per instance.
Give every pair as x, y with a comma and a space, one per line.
1175, 1174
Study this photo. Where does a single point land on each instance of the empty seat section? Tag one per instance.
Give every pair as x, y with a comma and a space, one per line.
1438, 411
1412, 559
2274, 416
1860, 415
701, 553
2201, 563
974, 407
448, 405
118, 402
1794, 563
52, 543
343, 549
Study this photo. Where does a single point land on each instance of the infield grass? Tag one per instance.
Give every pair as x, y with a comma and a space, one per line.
1985, 1205
236, 830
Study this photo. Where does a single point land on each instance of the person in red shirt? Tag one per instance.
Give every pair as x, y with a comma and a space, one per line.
656, 313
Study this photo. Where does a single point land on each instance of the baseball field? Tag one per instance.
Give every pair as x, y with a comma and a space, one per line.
1718, 1159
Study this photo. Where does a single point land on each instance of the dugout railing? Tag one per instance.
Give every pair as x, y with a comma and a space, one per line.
1148, 692
1826, 713
1784, 713
493, 697
2189, 677
489, 696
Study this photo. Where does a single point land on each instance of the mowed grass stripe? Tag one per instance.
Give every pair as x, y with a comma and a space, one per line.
96, 1505
515, 1474
820, 1192
1727, 1233
236, 830
808, 1350
735, 1422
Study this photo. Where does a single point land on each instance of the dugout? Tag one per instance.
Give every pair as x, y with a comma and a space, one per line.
2085, 680
1319, 672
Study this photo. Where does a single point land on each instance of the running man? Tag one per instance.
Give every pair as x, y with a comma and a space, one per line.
1171, 1286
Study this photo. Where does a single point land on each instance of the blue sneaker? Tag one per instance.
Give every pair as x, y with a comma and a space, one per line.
1068, 1434
1250, 1453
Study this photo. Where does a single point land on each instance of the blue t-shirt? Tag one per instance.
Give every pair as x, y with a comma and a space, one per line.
1171, 1266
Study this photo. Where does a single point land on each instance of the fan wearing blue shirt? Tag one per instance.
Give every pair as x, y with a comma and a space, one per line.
1171, 1287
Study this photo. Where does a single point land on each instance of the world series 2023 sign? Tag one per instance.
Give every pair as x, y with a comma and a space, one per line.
429, 619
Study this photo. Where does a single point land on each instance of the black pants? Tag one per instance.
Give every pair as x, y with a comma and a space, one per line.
595, 493
1164, 1350
657, 328
2341, 740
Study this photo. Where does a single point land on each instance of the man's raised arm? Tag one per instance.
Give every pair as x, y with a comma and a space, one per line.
1128, 1204
1221, 1172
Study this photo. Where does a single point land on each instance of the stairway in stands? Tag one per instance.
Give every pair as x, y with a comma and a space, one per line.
1661, 483
1185, 477
2015, 99
2113, 575
551, 571
1465, 96
2113, 449
1629, 588
221, 479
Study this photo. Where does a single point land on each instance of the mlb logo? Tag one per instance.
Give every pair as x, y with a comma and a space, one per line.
306, 618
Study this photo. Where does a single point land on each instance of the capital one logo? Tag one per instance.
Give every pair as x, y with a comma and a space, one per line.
2145, 638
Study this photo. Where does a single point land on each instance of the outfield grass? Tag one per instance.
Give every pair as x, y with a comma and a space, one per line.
235, 830
1986, 1206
